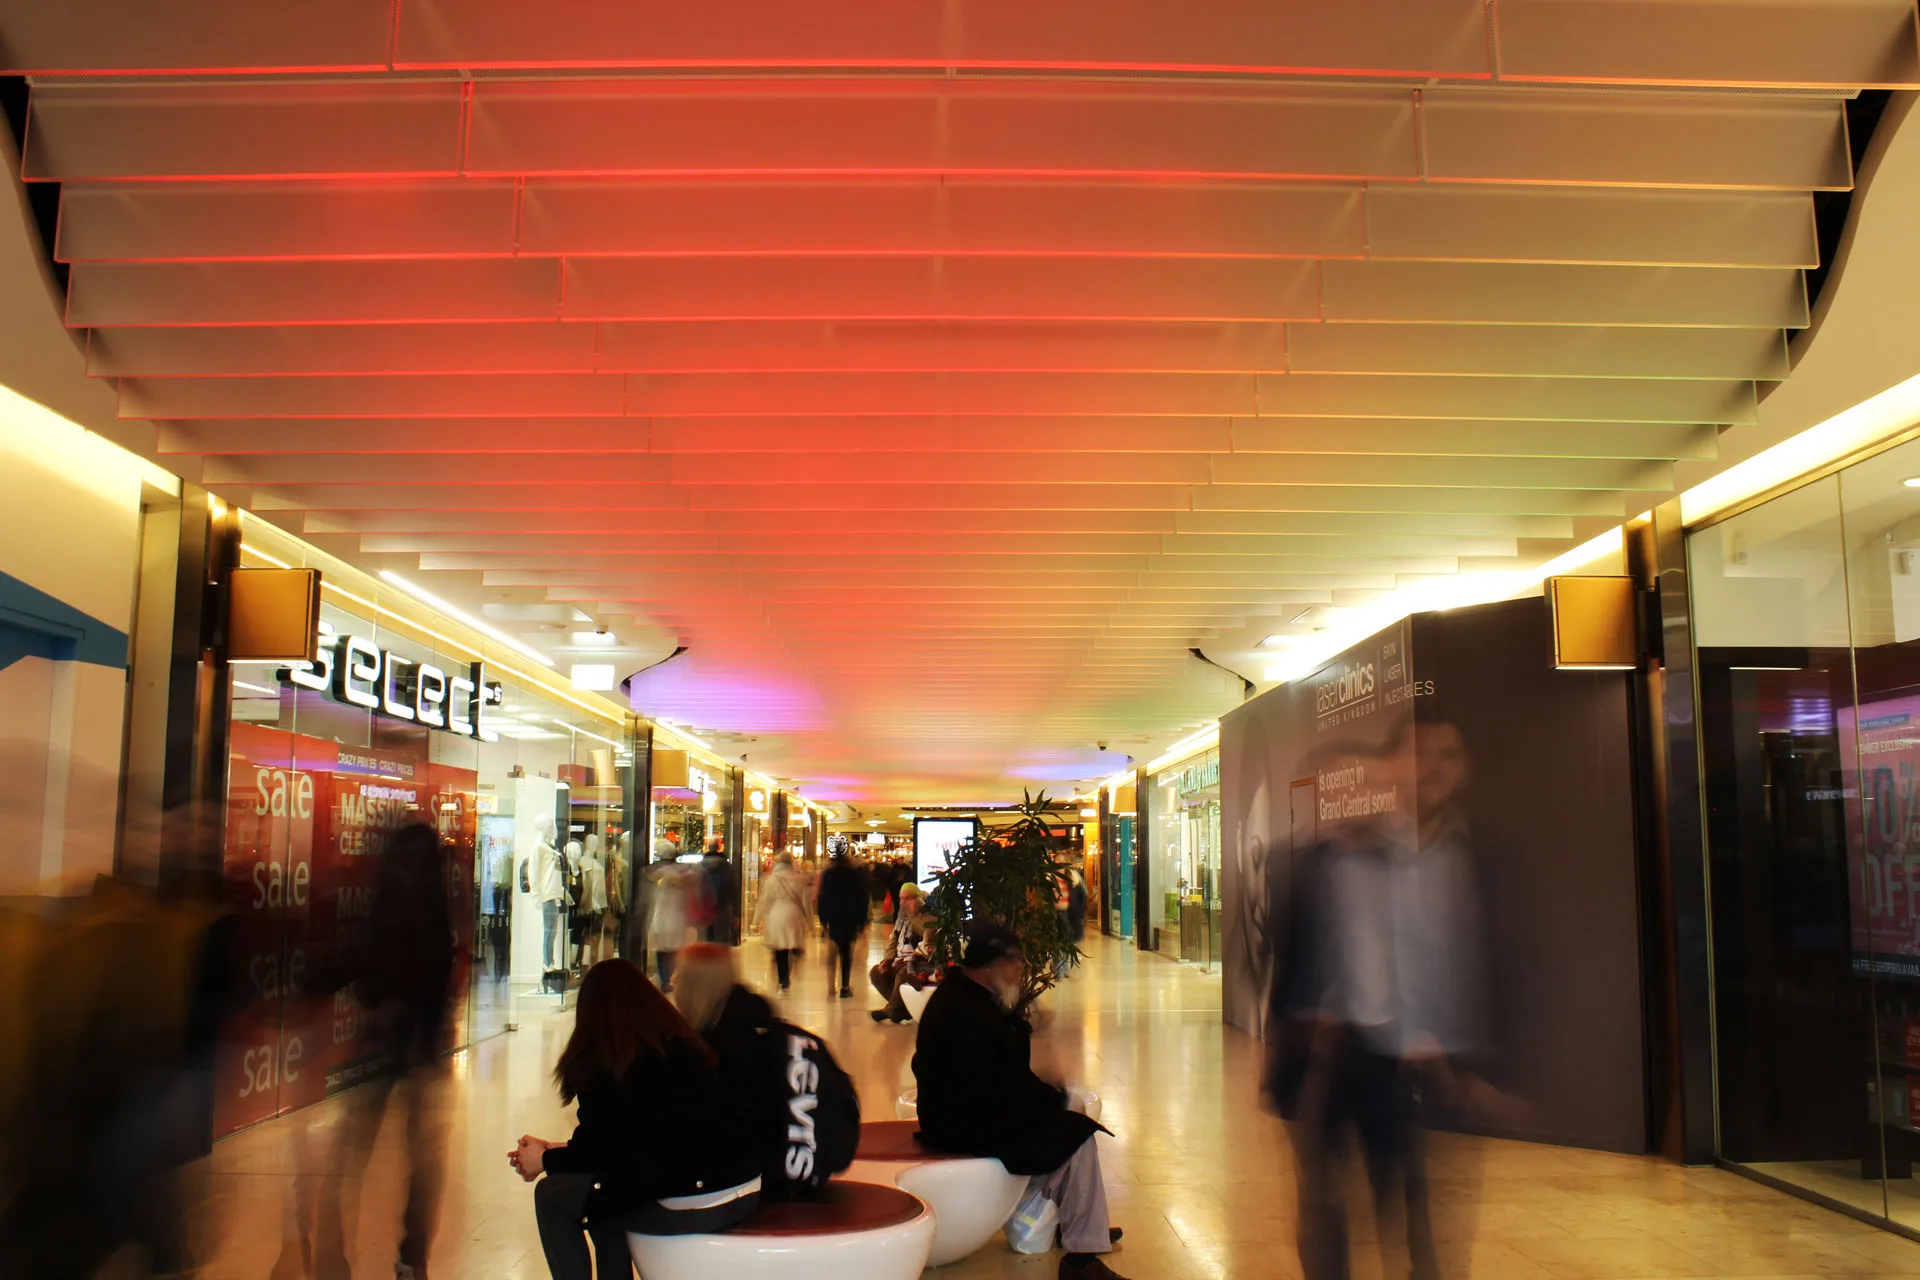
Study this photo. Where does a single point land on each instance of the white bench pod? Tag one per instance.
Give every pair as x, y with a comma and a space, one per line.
858, 1229
915, 998
971, 1197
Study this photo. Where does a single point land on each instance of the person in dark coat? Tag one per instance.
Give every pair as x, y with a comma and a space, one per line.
979, 1096
406, 972
844, 910
735, 1020
723, 890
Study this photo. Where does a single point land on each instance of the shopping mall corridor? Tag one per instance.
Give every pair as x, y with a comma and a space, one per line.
1199, 1176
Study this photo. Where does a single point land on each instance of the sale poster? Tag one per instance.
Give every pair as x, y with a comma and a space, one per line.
307, 821
1879, 757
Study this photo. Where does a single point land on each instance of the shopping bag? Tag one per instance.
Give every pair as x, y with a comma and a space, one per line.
1035, 1221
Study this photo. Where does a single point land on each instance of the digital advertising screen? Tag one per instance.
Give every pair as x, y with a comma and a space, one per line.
934, 842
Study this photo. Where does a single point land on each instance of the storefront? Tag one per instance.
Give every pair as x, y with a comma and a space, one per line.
1183, 850
1118, 854
1806, 615
407, 717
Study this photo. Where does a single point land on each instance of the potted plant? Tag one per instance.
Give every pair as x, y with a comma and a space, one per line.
1013, 875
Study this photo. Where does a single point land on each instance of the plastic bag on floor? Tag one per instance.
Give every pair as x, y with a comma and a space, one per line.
1035, 1221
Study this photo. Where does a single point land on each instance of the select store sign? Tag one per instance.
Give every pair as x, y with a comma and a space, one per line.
358, 673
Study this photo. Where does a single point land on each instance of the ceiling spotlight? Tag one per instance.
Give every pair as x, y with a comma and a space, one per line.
875, 822
1912, 482
601, 639
1276, 641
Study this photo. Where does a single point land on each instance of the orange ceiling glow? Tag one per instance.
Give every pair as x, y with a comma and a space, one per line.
942, 374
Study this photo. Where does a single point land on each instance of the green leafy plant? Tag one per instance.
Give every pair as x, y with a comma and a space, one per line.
1012, 875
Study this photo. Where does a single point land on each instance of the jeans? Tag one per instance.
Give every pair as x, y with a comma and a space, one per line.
663, 964
560, 1211
549, 924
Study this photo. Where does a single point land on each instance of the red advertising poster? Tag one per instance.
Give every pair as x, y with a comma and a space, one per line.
270, 813
306, 822
1883, 834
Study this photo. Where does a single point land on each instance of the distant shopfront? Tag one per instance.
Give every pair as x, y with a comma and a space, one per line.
1183, 852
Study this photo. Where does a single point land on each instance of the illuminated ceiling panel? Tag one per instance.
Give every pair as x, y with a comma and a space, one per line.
942, 373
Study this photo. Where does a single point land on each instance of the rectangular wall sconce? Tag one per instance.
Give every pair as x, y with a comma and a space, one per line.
273, 615
669, 767
1594, 624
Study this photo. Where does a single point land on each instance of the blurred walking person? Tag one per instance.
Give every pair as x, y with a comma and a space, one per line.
405, 974
844, 910
782, 913
667, 920
1379, 999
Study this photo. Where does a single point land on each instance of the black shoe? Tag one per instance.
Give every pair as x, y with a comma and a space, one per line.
846, 993
878, 1015
902, 1017
1114, 1234
1086, 1266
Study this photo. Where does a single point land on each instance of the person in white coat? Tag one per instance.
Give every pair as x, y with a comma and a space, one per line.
783, 915
667, 916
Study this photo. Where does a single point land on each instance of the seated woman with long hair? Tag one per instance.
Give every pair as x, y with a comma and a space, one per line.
660, 1146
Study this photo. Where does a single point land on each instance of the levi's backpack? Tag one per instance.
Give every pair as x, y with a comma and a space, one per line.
820, 1114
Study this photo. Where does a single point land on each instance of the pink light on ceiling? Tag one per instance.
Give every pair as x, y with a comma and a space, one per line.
717, 697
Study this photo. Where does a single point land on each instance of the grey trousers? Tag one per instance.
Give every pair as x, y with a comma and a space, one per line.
1076, 1187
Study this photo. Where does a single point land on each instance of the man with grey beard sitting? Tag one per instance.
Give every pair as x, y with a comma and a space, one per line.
979, 1095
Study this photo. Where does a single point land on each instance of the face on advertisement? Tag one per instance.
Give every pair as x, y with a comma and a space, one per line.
1441, 767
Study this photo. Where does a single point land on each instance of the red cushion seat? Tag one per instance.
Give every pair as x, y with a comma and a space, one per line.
843, 1207
893, 1141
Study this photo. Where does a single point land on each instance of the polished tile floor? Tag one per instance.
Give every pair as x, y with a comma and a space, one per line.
1199, 1177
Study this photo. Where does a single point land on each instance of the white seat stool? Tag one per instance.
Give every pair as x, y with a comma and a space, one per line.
862, 1230
1079, 1098
915, 998
971, 1197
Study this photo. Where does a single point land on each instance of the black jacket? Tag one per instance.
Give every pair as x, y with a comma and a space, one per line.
670, 1128
751, 1065
978, 1093
844, 905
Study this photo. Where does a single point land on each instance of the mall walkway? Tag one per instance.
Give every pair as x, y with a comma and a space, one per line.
1201, 1177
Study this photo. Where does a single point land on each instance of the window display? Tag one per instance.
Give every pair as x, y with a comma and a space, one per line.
397, 723
1807, 633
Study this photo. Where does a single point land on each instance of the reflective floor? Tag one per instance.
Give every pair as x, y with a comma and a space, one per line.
1199, 1177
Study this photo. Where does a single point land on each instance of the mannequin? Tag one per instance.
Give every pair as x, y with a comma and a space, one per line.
549, 885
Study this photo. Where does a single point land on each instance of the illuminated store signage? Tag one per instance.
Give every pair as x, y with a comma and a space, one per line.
1352, 683
1200, 777
358, 673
